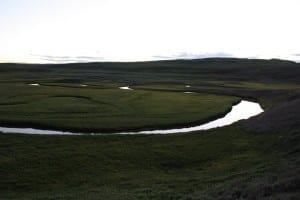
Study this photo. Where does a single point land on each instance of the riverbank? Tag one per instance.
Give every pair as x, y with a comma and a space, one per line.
242, 110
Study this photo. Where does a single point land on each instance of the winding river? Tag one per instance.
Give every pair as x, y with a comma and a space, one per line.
243, 110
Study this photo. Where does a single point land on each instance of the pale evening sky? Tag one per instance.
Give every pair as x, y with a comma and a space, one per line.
132, 30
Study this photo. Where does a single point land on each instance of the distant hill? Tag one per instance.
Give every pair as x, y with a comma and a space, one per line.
167, 71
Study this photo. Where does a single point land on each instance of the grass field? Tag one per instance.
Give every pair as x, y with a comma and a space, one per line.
105, 109
131, 167
252, 159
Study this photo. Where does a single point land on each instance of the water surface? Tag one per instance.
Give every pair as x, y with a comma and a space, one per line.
34, 84
125, 88
243, 110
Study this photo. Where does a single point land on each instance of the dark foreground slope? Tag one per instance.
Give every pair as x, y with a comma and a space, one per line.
227, 163
253, 159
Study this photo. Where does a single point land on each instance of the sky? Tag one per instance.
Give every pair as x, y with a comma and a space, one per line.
60, 31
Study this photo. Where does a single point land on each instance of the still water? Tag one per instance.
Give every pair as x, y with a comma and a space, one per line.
243, 110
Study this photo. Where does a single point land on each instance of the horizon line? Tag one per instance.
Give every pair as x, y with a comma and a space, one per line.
144, 61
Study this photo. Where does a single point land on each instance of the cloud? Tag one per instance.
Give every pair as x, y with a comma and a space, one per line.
185, 55
67, 59
76, 59
181, 55
295, 57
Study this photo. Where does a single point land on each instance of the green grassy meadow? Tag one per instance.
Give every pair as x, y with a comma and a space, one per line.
131, 167
252, 159
105, 108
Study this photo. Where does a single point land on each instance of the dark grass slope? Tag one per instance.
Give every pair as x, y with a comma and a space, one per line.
180, 166
284, 117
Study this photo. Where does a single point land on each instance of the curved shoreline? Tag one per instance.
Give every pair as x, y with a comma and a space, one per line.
234, 115
41, 127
